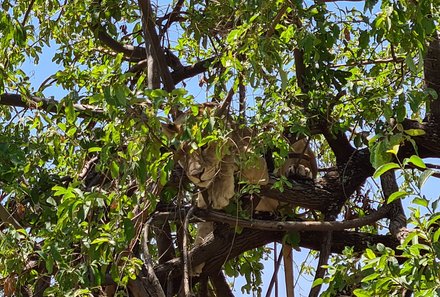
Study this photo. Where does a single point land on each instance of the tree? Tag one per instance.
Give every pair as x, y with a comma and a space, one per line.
94, 198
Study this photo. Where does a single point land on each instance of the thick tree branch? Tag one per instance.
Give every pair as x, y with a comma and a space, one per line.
432, 73
220, 284
215, 216
227, 245
339, 144
152, 40
396, 214
48, 105
192, 70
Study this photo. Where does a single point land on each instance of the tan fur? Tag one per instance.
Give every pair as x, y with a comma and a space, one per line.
214, 170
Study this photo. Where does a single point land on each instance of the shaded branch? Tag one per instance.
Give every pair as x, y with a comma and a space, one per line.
48, 105
171, 17
220, 284
215, 216
339, 144
396, 214
152, 40
133, 53
227, 245
7, 218
432, 73
369, 62
192, 70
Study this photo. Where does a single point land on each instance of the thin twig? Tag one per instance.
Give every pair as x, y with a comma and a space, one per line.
186, 264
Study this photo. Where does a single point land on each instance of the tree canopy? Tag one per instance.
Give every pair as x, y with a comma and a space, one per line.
95, 201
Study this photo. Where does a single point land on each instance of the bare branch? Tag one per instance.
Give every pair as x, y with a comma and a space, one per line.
48, 105
215, 216
6, 217
221, 285
369, 62
193, 70
171, 17
151, 39
396, 214
133, 53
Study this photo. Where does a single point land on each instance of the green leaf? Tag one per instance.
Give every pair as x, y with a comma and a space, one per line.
70, 112
94, 149
120, 95
415, 132
436, 235
370, 277
129, 231
49, 264
317, 282
410, 63
114, 169
394, 150
362, 293
370, 254
384, 168
101, 240
396, 195
416, 160
424, 177
421, 201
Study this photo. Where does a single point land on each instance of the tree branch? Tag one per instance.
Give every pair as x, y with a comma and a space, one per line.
133, 53
432, 73
396, 214
6, 217
220, 284
192, 70
152, 40
227, 245
48, 105
215, 216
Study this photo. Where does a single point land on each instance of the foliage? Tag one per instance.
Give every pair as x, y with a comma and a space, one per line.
82, 173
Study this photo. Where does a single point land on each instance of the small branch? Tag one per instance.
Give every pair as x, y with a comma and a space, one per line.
300, 66
216, 216
222, 110
186, 264
275, 273
242, 100
133, 53
432, 73
324, 255
7, 218
165, 247
276, 20
28, 11
149, 282
191, 71
172, 16
48, 105
339, 144
369, 62
288, 269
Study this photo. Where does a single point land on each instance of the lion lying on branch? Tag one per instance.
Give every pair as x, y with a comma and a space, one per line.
218, 166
